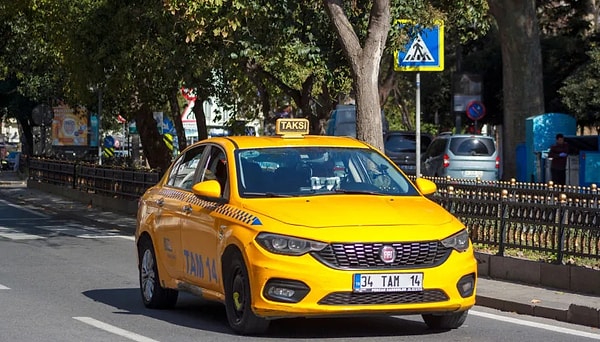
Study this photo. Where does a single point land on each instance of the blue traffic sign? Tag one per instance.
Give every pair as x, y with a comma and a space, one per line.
425, 51
475, 110
168, 126
109, 141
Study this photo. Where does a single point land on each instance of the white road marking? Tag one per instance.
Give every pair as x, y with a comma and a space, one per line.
31, 211
535, 325
68, 230
114, 330
126, 237
2, 287
11, 234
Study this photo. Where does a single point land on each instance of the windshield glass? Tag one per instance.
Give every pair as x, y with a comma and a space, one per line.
310, 171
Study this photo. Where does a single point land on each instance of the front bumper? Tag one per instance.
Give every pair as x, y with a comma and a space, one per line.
329, 291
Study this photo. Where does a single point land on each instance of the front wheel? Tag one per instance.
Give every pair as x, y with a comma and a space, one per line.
238, 297
446, 321
153, 294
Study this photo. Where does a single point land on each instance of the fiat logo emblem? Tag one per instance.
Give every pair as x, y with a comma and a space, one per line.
387, 254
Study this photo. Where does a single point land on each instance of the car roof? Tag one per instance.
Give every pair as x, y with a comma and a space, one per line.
465, 136
243, 142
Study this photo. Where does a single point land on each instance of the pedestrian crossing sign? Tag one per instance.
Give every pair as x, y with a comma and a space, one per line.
424, 51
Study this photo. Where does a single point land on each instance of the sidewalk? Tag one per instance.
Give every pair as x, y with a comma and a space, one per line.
502, 295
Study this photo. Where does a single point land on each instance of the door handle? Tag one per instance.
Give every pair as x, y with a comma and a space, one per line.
187, 209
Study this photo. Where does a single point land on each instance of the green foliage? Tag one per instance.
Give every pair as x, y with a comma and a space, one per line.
581, 89
254, 55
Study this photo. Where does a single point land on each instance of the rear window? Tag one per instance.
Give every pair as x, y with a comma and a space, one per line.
472, 146
405, 143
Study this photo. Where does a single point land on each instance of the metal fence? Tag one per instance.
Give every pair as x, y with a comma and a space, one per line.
559, 221
122, 183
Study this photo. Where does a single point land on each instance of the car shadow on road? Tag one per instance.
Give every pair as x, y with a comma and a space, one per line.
196, 313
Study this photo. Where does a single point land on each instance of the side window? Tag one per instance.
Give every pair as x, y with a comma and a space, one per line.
216, 168
436, 148
184, 169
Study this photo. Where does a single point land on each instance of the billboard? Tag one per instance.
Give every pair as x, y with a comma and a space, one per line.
70, 126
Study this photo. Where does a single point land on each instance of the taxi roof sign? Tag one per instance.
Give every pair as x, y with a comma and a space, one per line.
292, 128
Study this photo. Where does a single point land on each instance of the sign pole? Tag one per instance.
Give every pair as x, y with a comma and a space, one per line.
99, 125
425, 52
418, 126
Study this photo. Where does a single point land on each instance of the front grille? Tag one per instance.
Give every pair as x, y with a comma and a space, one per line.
351, 298
365, 256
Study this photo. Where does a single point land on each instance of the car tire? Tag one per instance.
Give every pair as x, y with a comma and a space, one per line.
238, 297
153, 294
445, 322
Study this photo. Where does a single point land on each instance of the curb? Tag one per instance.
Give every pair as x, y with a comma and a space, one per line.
575, 314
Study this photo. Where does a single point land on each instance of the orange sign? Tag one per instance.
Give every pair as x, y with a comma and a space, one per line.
70, 126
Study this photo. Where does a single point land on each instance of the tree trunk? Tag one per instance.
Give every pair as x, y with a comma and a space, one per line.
200, 118
176, 114
364, 63
27, 138
155, 150
522, 73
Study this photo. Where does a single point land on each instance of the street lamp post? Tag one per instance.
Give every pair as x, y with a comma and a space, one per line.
99, 126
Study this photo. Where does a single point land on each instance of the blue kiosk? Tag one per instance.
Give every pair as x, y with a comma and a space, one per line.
533, 166
540, 134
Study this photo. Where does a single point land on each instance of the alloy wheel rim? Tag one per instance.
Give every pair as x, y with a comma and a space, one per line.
147, 275
239, 295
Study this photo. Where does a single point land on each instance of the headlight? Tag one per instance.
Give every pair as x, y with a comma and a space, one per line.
458, 241
288, 245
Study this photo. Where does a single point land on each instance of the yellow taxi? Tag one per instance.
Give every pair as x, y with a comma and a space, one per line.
295, 225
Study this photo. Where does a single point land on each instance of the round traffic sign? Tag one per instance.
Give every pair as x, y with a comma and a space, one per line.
109, 141
475, 110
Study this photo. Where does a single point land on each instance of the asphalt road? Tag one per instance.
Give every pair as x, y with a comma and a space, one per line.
66, 280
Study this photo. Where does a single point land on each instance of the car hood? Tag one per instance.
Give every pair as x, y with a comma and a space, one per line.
354, 210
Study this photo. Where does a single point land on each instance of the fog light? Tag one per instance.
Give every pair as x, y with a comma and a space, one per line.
283, 290
280, 292
466, 285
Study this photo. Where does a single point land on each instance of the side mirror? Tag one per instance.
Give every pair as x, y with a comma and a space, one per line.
426, 186
209, 188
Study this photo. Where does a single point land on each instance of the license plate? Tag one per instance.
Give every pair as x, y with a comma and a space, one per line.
387, 282
472, 173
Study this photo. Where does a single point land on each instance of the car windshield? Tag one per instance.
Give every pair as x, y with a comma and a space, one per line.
405, 143
312, 171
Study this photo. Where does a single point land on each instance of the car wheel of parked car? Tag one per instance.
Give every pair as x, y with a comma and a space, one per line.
444, 322
153, 294
237, 300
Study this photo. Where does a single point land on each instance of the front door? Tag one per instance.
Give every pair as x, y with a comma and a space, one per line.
200, 229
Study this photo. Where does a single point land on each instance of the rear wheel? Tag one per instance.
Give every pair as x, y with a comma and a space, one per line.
153, 295
445, 322
238, 297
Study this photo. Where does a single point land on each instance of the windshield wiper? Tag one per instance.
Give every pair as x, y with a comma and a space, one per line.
266, 194
358, 192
